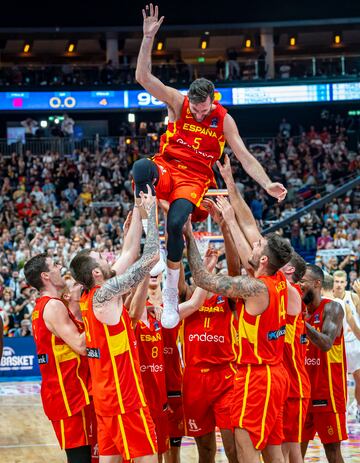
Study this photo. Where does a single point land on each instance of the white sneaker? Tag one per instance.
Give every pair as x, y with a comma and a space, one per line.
170, 316
160, 266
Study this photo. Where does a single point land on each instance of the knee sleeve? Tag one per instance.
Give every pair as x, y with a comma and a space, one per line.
145, 172
178, 213
79, 454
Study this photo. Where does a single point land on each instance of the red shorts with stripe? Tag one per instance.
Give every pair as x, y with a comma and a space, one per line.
330, 426
177, 181
295, 410
260, 392
176, 417
77, 430
161, 423
207, 395
130, 435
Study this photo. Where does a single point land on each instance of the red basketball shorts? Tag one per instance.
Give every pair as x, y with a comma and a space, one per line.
295, 410
207, 395
260, 392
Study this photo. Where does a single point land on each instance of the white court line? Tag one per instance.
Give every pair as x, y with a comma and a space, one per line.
26, 445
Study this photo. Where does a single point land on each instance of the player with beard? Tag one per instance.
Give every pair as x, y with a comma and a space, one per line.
261, 382
297, 402
326, 365
63, 366
182, 172
125, 428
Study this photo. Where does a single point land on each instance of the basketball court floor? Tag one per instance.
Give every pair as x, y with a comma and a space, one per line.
26, 436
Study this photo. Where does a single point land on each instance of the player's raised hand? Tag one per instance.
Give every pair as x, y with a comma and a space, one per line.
225, 169
147, 199
151, 20
225, 208
277, 190
211, 258
213, 210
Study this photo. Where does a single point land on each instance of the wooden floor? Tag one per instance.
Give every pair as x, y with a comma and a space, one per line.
26, 435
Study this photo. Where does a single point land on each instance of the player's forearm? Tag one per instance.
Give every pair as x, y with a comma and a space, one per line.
321, 340
243, 248
254, 169
193, 304
243, 213
143, 66
138, 302
231, 253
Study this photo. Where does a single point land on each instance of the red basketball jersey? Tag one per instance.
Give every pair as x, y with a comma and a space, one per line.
197, 145
261, 337
152, 365
209, 336
65, 374
173, 366
114, 363
294, 354
327, 370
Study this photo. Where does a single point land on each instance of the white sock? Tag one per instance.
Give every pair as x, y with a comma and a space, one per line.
145, 225
172, 278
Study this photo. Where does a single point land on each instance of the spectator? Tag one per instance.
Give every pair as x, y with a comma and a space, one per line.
233, 65
30, 126
67, 126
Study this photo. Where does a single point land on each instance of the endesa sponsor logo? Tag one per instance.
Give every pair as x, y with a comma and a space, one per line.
312, 361
205, 337
274, 335
152, 367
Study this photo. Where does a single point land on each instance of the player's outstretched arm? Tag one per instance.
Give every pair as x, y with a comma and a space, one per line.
244, 216
333, 319
143, 74
120, 284
131, 245
138, 302
237, 287
249, 163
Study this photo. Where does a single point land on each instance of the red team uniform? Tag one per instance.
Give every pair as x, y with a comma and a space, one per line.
65, 383
152, 366
124, 423
296, 405
173, 378
188, 151
261, 383
327, 373
209, 354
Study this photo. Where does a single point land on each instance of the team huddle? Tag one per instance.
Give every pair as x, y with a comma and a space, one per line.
131, 363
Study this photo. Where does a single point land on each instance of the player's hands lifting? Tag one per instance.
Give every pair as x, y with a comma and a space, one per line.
187, 228
277, 190
147, 199
225, 169
226, 209
211, 258
151, 20
213, 210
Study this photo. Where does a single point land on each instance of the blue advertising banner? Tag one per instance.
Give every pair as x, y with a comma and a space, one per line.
19, 358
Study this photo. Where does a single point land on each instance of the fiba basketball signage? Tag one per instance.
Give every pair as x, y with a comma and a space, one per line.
19, 358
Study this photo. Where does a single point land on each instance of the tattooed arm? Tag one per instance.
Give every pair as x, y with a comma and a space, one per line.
254, 291
333, 319
106, 298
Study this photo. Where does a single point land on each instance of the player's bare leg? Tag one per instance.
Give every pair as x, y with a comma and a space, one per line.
292, 452
273, 454
206, 446
173, 455
304, 446
110, 459
228, 439
246, 452
333, 452
147, 459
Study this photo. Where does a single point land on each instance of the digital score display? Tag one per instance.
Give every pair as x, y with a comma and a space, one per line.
140, 99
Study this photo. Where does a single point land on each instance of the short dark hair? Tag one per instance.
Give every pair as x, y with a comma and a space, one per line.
299, 264
278, 250
34, 268
328, 283
200, 89
316, 272
81, 268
